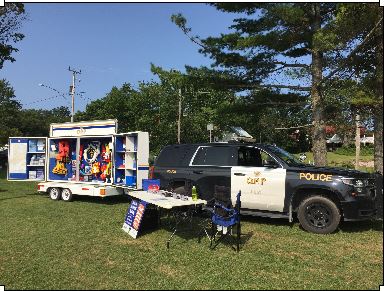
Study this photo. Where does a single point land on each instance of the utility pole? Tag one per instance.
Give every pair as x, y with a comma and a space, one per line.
179, 118
72, 89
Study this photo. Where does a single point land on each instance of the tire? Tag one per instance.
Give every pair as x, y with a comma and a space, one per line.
318, 214
55, 193
66, 195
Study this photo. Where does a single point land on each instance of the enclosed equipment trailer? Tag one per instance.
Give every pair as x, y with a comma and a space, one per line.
81, 158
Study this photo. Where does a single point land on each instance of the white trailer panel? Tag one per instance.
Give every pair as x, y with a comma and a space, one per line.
84, 128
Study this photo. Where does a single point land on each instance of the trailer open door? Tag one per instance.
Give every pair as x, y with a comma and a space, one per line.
131, 152
27, 158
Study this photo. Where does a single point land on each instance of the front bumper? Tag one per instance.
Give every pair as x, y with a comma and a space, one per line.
368, 206
359, 210
363, 209
379, 195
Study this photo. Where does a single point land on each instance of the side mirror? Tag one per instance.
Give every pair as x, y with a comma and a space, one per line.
302, 157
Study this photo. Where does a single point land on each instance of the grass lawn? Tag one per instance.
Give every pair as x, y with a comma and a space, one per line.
344, 161
49, 244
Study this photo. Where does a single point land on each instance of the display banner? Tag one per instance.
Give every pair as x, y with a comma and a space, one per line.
134, 217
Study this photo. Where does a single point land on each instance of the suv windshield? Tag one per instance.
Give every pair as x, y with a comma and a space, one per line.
290, 159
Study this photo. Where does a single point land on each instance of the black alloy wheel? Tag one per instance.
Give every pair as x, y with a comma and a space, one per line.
318, 214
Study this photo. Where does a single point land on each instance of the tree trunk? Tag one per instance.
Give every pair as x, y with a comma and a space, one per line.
378, 113
319, 147
378, 130
357, 142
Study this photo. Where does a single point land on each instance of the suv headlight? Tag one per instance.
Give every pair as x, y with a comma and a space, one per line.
358, 183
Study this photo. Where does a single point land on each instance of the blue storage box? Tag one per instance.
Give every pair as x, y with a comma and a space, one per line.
148, 182
130, 180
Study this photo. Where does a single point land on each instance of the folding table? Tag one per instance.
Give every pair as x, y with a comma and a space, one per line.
166, 200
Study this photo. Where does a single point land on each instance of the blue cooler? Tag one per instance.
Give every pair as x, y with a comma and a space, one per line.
149, 182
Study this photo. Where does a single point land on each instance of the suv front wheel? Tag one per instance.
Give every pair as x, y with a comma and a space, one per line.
318, 214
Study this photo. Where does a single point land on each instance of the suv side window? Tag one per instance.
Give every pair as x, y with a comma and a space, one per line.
254, 157
214, 156
249, 157
171, 156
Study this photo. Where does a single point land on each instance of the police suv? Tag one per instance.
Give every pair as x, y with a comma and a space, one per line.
273, 183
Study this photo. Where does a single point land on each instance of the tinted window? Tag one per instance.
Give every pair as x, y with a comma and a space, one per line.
290, 159
249, 156
254, 157
173, 156
214, 156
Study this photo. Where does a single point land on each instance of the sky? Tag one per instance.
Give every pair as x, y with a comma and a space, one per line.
111, 44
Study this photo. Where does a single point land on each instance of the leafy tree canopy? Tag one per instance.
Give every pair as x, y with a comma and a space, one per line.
9, 112
11, 17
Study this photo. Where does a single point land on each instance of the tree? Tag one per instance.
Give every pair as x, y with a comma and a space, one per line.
36, 122
363, 24
153, 107
11, 17
287, 46
9, 112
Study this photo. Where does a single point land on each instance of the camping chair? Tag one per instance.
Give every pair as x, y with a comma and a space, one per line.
225, 218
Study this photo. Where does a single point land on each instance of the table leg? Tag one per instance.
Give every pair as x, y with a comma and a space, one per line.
158, 216
177, 217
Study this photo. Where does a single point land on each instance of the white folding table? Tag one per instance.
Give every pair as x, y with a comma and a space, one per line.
169, 202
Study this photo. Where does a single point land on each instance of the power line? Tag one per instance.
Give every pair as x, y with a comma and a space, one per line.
41, 100
49, 87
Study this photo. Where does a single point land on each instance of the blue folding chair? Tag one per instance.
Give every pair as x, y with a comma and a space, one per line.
226, 219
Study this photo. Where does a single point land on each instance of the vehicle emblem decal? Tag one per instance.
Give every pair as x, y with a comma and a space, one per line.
259, 181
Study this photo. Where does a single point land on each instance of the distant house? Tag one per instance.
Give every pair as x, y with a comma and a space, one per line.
334, 142
367, 140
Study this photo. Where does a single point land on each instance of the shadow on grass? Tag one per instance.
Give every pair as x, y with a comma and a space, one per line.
17, 197
230, 240
14, 197
200, 230
109, 200
361, 226
265, 220
346, 226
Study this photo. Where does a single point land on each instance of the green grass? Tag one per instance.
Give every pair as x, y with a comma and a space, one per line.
49, 244
343, 161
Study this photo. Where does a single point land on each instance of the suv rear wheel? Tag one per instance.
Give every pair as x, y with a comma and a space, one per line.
318, 214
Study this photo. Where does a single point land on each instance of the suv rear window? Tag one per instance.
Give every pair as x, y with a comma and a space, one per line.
214, 156
173, 156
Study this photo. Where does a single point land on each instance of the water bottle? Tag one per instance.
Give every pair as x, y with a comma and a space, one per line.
194, 193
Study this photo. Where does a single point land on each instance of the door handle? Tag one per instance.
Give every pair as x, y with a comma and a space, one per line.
239, 174
197, 172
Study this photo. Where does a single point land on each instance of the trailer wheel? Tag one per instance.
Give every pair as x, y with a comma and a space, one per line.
318, 214
66, 195
55, 193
